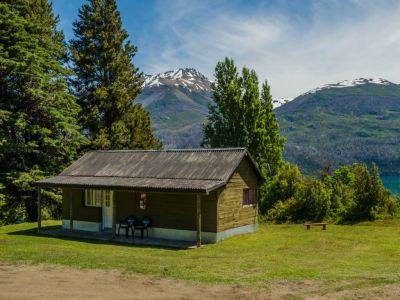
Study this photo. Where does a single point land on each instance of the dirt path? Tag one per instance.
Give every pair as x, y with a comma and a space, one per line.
41, 282
38, 282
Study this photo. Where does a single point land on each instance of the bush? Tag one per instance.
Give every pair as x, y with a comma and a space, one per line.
281, 212
313, 201
281, 187
350, 194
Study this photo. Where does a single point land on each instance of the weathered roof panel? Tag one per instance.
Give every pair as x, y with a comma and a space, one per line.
215, 165
198, 169
153, 184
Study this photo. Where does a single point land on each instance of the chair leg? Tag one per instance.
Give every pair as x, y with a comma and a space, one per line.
119, 227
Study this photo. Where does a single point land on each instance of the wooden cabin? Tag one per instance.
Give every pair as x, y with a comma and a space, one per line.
195, 195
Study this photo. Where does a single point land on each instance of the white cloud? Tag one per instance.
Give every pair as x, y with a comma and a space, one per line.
295, 57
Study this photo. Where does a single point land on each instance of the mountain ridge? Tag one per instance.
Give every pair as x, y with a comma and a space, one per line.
186, 77
339, 124
178, 104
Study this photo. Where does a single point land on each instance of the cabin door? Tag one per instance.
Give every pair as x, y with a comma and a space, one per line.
107, 209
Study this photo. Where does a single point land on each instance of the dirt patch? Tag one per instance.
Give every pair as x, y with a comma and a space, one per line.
52, 282
330, 290
38, 282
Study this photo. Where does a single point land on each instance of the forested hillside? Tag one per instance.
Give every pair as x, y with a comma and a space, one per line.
352, 121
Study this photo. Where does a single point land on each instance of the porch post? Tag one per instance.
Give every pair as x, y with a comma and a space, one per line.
71, 217
114, 216
257, 197
39, 207
198, 219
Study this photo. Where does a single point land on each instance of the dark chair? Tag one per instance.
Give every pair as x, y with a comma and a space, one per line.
146, 223
128, 223
143, 225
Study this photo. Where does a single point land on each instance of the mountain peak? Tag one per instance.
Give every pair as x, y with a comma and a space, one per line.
351, 83
188, 78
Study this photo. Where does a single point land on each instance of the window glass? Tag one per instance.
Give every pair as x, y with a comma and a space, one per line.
249, 197
94, 197
107, 198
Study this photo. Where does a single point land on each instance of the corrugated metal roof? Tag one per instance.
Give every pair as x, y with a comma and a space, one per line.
200, 170
193, 185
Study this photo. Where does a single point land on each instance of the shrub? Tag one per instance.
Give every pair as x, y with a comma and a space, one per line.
281, 187
350, 194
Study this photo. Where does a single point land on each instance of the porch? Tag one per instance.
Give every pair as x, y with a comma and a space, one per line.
107, 236
174, 216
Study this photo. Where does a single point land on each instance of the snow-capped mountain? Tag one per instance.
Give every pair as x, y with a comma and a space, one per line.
192, 80
351, 83
277, 102
188, 78
178, 103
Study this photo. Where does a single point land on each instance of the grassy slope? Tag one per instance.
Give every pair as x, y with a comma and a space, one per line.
277, 252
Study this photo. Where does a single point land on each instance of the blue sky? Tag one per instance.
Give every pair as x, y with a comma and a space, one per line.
296, 45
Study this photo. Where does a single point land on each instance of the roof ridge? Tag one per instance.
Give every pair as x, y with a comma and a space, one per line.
176, 150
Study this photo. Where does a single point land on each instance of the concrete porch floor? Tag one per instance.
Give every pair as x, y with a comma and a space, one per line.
106, 236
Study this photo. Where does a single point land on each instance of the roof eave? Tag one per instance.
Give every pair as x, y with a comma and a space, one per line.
40, 184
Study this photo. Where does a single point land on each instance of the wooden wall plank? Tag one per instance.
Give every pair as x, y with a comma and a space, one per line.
231, 212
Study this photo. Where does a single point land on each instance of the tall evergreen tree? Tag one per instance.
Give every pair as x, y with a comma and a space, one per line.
107, 82
239, 117
38, 130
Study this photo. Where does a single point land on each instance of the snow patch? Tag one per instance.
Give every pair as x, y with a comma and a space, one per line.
351, 83
188, 78
277, 102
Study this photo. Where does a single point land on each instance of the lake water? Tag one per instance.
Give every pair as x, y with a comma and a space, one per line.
392, 183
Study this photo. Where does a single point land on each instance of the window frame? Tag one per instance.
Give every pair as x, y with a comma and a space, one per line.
95, 197
249, 196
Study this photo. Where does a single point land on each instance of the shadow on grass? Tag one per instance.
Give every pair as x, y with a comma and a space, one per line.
67, 236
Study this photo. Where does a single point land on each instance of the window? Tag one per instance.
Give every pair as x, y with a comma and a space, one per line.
249, 197
142, 203
107, 197
96, 197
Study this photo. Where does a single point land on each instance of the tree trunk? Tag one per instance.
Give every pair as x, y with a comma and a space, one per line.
32, 209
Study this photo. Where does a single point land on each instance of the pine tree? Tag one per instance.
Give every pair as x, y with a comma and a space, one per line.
239, 117
107, 82
39, 134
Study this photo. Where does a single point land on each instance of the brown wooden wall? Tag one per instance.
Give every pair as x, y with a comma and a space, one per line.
231, 212
221, 210
79, 211
167, 210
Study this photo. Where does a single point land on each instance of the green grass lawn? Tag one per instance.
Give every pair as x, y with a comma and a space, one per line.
367, 253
